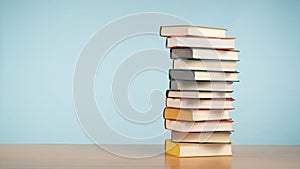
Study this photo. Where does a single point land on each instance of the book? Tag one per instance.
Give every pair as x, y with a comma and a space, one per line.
194, 64
195, 150
217, 103
204, 53
200, 85
205, 137
182, 74
187, 30
199, 126
197, 94
195, 114
213, 43
221, 162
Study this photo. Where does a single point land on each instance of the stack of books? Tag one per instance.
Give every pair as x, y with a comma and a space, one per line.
199, 99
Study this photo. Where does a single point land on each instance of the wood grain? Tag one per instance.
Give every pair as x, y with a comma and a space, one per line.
92, 156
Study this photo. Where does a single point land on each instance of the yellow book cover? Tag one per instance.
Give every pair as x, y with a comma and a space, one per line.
197, 149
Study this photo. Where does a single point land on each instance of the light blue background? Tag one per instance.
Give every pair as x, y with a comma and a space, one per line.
41, 40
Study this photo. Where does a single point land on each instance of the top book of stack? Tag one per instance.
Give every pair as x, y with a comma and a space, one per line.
187, 30
197, 36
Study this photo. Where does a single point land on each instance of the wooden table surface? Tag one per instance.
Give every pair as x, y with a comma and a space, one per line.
91, 156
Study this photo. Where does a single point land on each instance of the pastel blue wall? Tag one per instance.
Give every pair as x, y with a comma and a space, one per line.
41, 40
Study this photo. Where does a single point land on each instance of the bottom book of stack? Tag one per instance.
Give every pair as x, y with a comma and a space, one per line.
195, 149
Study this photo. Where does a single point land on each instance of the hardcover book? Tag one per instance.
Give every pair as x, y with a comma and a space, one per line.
188, 30
196, 150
